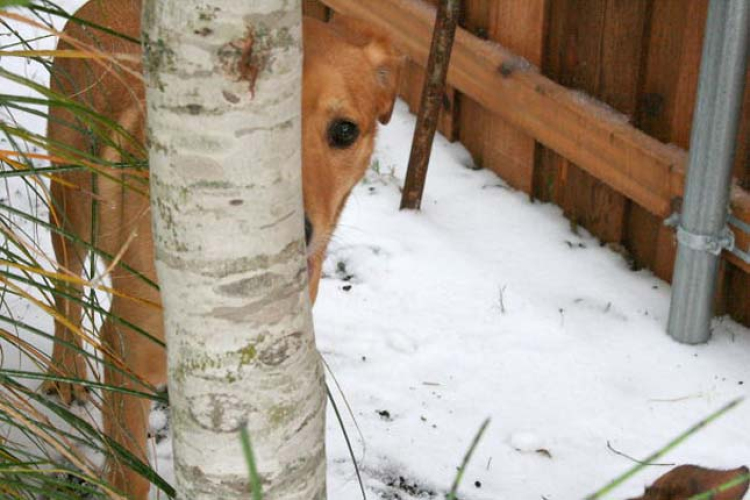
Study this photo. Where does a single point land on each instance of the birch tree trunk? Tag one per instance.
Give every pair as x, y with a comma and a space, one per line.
224, 99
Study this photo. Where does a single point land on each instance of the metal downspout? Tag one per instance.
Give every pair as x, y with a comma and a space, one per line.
702, 232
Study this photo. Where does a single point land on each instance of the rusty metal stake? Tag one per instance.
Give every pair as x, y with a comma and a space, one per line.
432, 100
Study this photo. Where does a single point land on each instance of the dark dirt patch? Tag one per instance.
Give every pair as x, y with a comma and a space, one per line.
342, 272
385, 415
401, 487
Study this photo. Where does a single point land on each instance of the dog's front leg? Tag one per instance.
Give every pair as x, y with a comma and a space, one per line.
126, 416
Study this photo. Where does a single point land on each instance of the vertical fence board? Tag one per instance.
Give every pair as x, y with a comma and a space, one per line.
665, 111
473, 119
412, 80
476, 16
625, 24
733, 293
449, 115
680, 95
742, 156
573, 59
472, 127
672, 62
519, 26
734, 288
546, 182
594, 46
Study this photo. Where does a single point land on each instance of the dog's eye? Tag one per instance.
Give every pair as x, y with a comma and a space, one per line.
342, 134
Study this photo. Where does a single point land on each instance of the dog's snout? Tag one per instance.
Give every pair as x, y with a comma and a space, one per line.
308, 230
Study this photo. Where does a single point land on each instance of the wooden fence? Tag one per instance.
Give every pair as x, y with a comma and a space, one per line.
617, 171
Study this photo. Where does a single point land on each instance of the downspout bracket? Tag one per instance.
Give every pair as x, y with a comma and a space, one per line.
709, 243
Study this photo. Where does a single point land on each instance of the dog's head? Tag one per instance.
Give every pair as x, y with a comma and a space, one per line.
349, 85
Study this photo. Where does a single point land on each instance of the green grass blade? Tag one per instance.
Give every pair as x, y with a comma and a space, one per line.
465, 462
348, 442
153, 396
663, 451
123, 455
72, 237
256, 485
711, 494
6, 4
57, 11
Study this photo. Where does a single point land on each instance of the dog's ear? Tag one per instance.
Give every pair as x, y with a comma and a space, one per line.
387, 67
383, 57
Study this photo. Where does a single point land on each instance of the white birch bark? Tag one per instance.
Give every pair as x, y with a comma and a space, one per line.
224, 93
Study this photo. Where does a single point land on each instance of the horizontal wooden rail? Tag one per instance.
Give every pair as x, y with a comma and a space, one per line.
584, 131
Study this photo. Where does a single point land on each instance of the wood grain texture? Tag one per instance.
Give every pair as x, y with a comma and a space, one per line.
665, 111
742, 155
518, 25
594, 47
473, 117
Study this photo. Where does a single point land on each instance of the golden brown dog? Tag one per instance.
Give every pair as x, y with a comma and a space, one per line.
349, 84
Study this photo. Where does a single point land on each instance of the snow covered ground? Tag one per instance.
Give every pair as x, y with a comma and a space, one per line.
486, 305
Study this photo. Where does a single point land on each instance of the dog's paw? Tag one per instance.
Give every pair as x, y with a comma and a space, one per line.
69, 485
67, 392
159, 419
